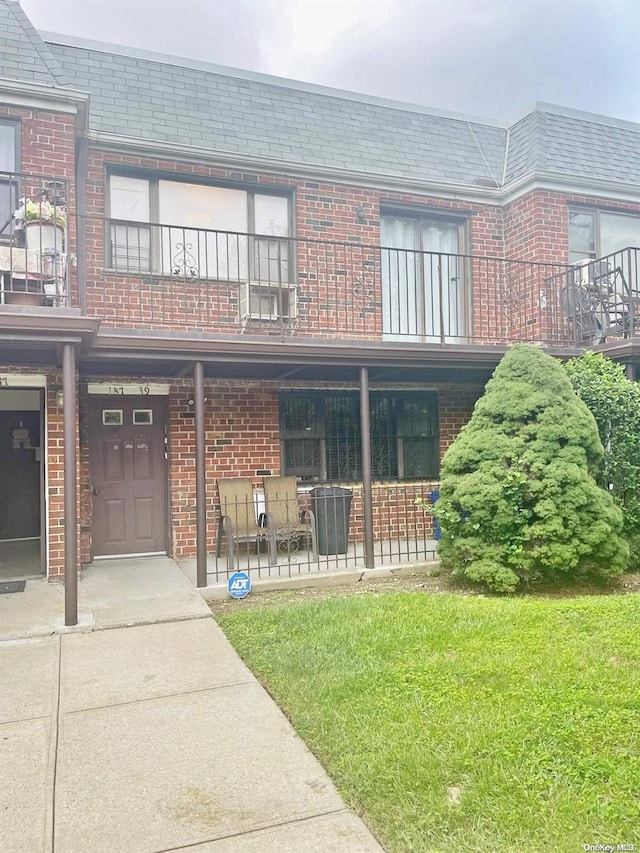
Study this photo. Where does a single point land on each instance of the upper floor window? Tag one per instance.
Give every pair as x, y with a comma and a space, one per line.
320, 435
598, 233
198, 230
425, 295
8, 163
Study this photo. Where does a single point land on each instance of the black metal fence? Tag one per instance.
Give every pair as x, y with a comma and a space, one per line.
320, 529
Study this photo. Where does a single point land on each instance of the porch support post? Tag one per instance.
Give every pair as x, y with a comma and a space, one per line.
201, 478
70, 486
631, 372
367, 496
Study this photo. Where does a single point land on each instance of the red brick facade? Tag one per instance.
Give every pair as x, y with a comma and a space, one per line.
509, 302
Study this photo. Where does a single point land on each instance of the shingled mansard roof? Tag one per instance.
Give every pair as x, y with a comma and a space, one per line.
23, 54
190, 104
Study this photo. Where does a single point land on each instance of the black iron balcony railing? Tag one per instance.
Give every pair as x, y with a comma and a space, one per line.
163, 276
34, 240
601, 297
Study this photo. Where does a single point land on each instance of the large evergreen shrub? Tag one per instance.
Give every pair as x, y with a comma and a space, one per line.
518, 499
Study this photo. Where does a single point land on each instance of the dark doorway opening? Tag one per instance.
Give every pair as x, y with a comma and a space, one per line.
21, 483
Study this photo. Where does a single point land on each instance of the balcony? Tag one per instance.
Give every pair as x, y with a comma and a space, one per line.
162, 277
34, 241
174, 278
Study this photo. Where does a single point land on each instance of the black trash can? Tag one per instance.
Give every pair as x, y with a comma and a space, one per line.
331, 508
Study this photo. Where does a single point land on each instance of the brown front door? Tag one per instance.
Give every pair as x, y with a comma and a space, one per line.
128, 475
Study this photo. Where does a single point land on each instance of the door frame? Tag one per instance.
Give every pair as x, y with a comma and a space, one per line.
163, 405
39, 383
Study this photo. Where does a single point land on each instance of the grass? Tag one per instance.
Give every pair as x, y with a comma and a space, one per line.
457, 723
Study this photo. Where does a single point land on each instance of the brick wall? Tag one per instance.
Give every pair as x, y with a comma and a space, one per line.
47, 142
537, 229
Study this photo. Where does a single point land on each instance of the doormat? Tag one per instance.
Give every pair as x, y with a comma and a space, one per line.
11, 586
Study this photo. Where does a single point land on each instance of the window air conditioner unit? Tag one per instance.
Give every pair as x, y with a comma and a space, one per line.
590, 272
267, 302
583, 274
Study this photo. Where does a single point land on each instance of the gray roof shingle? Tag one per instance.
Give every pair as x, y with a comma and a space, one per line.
579, 145
160, 101
23, 54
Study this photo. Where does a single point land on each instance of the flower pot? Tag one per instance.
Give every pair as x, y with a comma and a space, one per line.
44, 236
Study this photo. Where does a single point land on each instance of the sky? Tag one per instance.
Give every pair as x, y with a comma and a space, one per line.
490, 58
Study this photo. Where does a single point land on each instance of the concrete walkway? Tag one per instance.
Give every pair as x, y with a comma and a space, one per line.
154, 737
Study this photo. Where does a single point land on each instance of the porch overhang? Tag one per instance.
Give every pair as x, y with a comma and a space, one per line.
252, 357
32, 337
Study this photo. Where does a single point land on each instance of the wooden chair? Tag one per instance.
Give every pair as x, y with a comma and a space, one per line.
238, 520
283, 513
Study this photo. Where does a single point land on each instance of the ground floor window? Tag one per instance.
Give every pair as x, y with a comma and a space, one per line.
320, 435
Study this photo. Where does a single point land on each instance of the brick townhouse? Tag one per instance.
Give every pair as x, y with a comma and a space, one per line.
208, 273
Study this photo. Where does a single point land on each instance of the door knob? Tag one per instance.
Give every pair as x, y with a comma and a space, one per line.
96, 491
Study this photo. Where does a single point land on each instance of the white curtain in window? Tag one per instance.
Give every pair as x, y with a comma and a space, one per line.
271, 257
8, 200
619, 232
204, 231
444, 296
400, 264
130, 244
423, 292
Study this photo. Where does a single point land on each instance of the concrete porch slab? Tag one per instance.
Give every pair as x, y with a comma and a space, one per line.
32, 613
138, 591
111, 594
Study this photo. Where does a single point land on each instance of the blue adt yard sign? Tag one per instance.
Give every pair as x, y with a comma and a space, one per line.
239, 585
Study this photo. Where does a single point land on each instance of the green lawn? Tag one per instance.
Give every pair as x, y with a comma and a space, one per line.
464, 723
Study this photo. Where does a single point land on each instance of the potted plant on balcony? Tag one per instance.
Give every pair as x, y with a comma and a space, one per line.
41, 224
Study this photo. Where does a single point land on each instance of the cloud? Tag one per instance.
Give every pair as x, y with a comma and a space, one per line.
485, 57
495, 57
228, 32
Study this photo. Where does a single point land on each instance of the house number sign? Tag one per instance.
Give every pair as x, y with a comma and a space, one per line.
23, 380
154, 389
